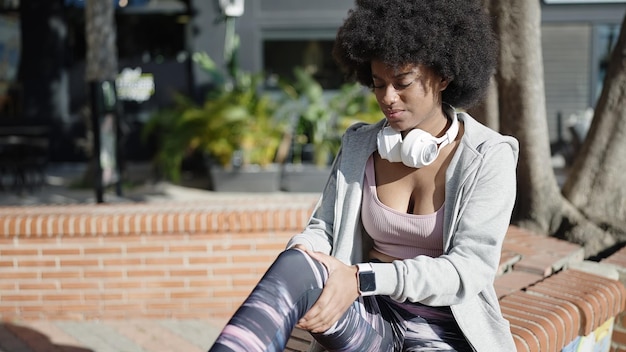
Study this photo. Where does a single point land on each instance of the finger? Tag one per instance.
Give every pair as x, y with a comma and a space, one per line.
322, 313
317, 256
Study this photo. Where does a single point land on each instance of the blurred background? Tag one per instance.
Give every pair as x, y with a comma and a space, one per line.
44, 93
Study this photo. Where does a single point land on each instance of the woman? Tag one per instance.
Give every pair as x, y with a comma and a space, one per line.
402, 249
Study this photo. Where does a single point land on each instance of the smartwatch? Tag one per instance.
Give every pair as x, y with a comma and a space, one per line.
366, 279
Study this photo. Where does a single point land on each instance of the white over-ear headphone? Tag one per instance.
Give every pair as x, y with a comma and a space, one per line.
418, 148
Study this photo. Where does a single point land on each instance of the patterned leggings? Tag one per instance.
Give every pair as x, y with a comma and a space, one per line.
375, 323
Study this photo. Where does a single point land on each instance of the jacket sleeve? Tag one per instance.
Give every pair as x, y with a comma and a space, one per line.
483, 207
317, 236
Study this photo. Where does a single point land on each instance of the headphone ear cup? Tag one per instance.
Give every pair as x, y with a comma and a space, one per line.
389, 144
419, 148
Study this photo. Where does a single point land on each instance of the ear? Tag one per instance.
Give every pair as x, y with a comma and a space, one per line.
443, 84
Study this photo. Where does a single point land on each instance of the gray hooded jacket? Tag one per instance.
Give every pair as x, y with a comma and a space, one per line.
480, 194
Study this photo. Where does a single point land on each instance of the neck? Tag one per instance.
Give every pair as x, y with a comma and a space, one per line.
436, 124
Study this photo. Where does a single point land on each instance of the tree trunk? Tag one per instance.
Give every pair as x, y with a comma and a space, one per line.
596, 183
100, 34
100, 71
486, 111
540, 205
521, 97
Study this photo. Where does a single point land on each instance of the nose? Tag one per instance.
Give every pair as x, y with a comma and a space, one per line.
390, 95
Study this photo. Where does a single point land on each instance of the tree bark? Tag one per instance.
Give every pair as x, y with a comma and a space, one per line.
521, 97
596, 183
101, 68
486, 111
597, 199
100, 35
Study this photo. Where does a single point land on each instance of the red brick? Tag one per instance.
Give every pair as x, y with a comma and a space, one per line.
566, 309
165, 284
550, 322
79, 285
60, 251
586, 308
542, 327
138, 273
102, 250
515, 281
12, 252
37, 286
145, 249
65, 274
188, 273
101, 274
525, 340
121, 261
79, 262
619, 336
558, 316
599, 306
617, 288
62, 297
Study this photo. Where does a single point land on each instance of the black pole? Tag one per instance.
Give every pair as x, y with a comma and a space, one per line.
106, 134
95, 90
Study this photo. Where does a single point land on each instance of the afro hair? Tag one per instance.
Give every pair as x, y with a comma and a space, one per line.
452, 37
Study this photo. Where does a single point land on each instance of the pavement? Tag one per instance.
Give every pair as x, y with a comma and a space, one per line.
108, 335
60, 186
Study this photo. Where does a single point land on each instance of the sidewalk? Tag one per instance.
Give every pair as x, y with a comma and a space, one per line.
108, 336
59, 188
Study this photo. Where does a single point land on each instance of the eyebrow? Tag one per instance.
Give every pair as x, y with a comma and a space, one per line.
399, 75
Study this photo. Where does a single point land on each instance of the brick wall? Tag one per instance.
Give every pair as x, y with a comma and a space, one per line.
122, 261
618, 261
200, 260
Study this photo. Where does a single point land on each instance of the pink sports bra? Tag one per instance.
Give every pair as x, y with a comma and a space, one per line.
395, 233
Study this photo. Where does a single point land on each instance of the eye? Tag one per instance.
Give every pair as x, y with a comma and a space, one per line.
377, 85
402, 85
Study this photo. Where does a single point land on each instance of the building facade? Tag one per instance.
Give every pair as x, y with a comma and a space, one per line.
577, 37
159, 37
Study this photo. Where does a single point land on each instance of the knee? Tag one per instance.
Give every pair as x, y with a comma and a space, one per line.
296, 260
292, 257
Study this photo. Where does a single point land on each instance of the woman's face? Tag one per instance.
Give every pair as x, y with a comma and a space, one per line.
409, 96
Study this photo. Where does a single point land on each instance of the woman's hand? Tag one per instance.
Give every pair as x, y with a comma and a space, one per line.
338, 294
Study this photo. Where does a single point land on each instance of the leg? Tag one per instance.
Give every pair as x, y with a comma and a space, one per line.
265, 320
430, 329
370, 325
285, 293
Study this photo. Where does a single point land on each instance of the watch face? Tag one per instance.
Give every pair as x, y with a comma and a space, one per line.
367, 281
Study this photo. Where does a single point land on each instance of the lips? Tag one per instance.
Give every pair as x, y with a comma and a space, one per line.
393, 114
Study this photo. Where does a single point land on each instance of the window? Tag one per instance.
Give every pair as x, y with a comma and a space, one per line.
280, 57
606, 38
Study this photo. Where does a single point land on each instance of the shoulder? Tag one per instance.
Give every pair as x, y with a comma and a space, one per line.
364, 127
482, 139
362, 132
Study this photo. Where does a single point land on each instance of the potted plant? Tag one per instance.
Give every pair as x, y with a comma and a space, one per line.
319, 119
234, 128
